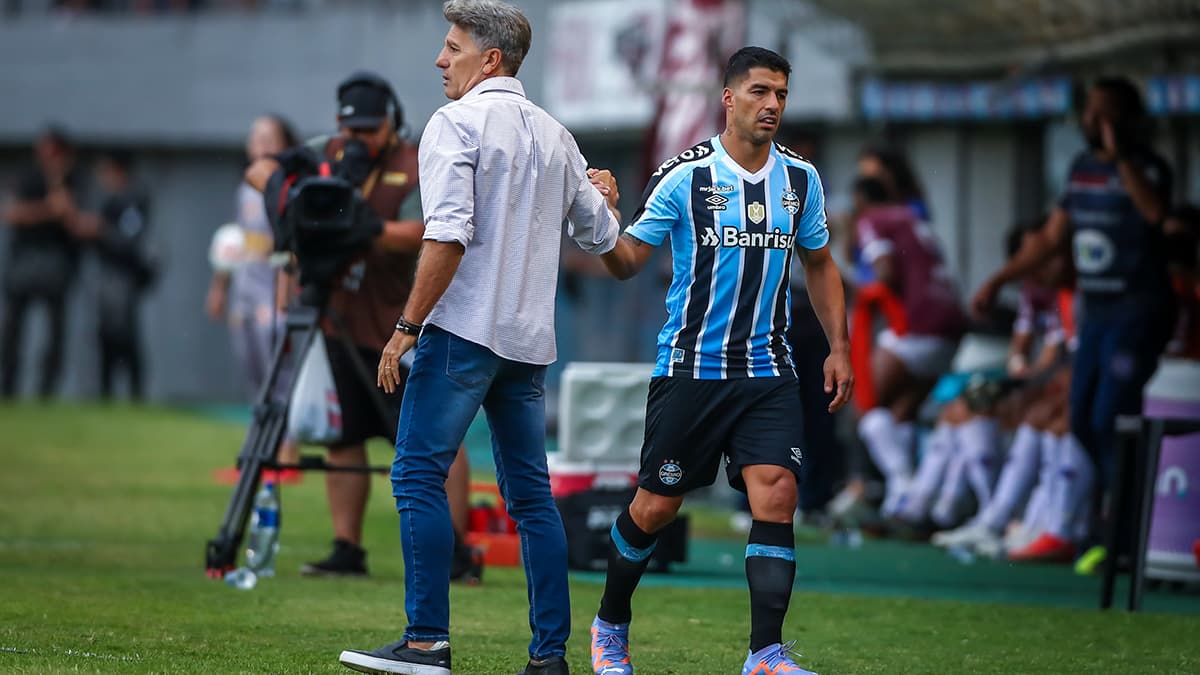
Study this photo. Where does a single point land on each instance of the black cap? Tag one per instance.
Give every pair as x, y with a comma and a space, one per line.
362, 106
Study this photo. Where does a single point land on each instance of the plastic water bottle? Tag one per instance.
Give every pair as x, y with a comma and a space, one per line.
263, 540
847, 538
242, 579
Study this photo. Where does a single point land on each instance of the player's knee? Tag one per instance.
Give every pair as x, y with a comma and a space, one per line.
773, 493
653, 512
955, 412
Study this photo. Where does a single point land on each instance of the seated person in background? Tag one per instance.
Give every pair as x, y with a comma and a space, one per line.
1034, 408
963, 450
907, 259
892, 169
1059, 513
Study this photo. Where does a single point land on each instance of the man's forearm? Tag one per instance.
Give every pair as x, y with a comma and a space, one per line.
435, 270
1145, 198
828, 299
22, 213
626, 258
402, 236
1038, 249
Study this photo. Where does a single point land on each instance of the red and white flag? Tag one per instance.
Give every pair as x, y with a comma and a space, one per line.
701, 36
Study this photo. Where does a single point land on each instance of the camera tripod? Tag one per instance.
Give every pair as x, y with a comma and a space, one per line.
259, 450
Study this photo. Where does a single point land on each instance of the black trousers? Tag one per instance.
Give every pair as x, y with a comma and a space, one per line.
822, 452
16, 311
119, 352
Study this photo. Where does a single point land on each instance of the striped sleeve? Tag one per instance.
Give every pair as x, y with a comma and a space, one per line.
813, 232
659, 211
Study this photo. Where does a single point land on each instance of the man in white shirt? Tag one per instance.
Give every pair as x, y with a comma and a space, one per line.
498, 176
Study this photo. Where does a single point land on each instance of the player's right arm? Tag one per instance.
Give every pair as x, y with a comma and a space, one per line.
628, 257
1037, 248
653, 220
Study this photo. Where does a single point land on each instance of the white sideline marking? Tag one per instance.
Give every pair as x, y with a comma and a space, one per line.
136, 658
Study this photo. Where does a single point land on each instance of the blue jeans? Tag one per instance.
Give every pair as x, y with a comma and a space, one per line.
1117, 354
450, 379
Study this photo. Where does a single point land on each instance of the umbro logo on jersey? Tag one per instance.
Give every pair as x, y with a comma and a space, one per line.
798, 456
716, 202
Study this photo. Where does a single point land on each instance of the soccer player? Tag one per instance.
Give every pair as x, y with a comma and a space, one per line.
735, 207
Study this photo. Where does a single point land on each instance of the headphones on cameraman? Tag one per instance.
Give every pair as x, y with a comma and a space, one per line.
367, 78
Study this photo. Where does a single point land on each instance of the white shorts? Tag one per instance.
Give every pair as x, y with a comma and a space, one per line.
927, 356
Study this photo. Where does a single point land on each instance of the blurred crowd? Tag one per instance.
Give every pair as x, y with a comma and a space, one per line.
59, 212
1008, 456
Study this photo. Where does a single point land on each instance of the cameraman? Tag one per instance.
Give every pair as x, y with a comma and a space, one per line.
364, 302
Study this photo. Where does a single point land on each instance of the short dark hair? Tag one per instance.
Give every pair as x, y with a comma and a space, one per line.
1015, 236
286, 131
872, 190
754, 57
121, 158
493, 25
1125, 94
896, 163
58, 136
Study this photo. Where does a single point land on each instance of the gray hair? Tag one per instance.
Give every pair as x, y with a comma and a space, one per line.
493, 25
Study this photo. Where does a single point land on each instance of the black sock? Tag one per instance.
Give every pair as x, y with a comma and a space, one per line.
770, 571
628, 554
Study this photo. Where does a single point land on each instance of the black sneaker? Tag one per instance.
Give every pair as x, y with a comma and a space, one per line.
398, 657
347, 560
467, 566
554, 665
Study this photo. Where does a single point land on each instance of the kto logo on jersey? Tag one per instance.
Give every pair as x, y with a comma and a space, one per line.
790, 202
733, 237
697, 152
670, 473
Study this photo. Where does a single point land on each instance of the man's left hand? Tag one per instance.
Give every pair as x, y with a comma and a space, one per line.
606, 184
389, 364
838, 371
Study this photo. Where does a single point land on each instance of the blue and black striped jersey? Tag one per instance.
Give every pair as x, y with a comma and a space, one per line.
732, 237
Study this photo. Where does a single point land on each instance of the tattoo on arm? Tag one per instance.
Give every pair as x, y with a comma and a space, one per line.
632, 240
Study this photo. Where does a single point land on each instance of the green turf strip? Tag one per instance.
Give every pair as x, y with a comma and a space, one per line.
104, 511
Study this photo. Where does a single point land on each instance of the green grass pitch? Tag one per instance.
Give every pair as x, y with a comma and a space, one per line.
104, 512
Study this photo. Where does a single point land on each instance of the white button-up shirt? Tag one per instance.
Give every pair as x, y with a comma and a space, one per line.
499, 175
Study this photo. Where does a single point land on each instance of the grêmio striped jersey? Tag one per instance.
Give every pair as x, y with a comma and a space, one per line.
732, 234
